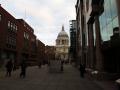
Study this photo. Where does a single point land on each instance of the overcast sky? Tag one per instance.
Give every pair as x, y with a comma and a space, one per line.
46, 17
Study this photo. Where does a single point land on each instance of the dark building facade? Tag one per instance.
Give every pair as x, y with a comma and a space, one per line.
97, 44
73, 32
111, 50
40, 52
81, 32
27, 49
17, 40
49, 53
8, 37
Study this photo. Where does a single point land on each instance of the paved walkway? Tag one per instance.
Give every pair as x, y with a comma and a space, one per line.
41, 79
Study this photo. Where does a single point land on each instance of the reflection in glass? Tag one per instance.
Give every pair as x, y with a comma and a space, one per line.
108, 20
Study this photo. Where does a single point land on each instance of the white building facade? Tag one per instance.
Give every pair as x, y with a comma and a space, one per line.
62, 46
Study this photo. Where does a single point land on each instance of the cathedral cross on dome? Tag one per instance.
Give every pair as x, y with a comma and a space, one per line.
62, 27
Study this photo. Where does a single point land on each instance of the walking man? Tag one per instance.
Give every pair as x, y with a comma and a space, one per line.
39, 65
23, 69
9, 67
82, 70
62, 65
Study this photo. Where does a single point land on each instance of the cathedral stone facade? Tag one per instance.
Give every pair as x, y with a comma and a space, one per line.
62, 46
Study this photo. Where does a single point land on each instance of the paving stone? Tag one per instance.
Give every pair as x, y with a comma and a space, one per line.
41, 79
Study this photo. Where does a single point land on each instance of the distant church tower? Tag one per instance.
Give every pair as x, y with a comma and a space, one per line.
62, 46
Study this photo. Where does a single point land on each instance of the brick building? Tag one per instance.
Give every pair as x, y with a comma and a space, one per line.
49, 53
17, 40
40, 52
26, 43
8, 36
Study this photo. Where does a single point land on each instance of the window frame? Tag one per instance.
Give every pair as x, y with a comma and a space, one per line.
0, 17
9, 26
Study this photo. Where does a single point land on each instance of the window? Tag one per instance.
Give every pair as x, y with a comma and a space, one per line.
8, 24
16, 28
115, 22
58, 41
24, 24
33, 40
109, 19
113, 10
11, 26
0, 17
7, 40
64, 49
26, 36
63, 42
108, 11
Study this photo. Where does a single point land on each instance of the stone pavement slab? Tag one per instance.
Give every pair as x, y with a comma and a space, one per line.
41, 79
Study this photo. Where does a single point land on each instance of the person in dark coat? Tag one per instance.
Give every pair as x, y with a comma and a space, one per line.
82, 70
23, 70
9, 67
62, 65
39, 65
14, 67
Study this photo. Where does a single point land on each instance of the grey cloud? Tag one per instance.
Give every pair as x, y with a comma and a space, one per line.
45, 16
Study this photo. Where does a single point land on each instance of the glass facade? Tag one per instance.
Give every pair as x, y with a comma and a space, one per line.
109, 19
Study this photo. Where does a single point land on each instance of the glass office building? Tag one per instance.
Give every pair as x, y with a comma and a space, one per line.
109, 19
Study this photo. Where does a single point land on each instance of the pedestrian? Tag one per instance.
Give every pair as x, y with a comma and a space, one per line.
48, 62
62, 65
9, 67
82, 70
23, 69
39, 65
14, 66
